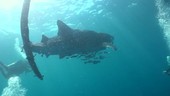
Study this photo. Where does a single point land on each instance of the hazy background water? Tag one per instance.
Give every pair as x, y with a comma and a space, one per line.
134, 70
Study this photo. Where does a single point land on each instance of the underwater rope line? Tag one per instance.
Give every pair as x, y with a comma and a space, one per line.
25, 38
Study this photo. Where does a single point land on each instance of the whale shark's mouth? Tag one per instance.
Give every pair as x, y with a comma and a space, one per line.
109, 45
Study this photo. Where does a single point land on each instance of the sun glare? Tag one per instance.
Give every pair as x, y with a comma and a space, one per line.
12, 4
9, 4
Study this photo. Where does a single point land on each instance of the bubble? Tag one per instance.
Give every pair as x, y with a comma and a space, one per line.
14, 88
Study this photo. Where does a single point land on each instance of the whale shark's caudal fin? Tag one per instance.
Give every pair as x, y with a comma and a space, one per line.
44, 39
63, 29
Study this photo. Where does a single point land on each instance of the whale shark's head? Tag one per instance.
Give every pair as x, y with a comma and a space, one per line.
106, 37
107, 40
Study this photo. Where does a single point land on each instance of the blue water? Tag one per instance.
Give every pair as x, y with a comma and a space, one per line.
135, 69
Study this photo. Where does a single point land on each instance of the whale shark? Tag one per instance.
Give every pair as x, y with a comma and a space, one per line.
71, 43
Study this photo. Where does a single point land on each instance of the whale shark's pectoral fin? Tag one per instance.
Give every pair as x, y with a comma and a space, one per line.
44, 39
63, 29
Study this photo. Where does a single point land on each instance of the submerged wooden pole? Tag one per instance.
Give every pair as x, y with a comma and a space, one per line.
25, 38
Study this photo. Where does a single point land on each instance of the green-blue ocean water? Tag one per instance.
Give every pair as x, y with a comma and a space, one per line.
135, 69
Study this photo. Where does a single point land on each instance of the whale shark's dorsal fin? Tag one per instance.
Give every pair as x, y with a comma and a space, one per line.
63, 29
44, 39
